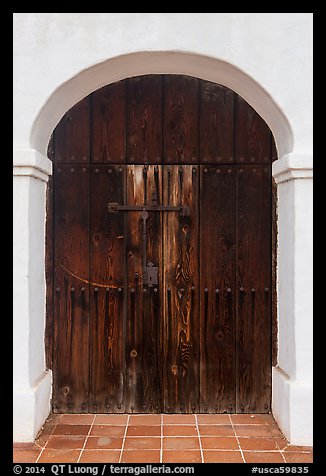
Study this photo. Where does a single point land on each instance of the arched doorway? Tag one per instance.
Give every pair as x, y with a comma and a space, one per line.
161, 258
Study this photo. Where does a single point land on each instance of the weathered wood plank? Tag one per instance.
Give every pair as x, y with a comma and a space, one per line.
254, 288
181, 306
108, 126
71, 136
217, 289
71, 289
143, 383
216, 123
161, 350
274, 336
180, 110
106, 293
49, 238
253, 137
144, 117
274, 155
50, 149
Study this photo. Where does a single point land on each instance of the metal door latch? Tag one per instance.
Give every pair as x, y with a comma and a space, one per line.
116, 207
151, 274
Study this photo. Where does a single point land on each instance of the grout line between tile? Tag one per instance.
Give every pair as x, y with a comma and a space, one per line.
280, 451
237, 439
43, 447
124, 438
89, 432
199, 438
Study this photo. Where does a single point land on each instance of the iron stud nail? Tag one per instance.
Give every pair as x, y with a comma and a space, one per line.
119, 290
228, 290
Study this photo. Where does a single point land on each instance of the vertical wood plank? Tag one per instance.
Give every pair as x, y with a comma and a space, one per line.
180, 99
143, 382
144, 116
71, 136
274, 155
181, 307
71, 300
217, 292
50, 149
106, 291
274, 336
49, 274
108, 127
253, 137
216, 123
254, 277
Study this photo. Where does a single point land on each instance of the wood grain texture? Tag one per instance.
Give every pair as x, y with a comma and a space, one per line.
108, 125
71, 300
274, 330
181, 323
107, 243
72, 137
274, 260
49, 239
217, 277
216, 123
50, 149
179, 349
144, 117
180, 111
143, 382
254, 276
274, 155
253, 137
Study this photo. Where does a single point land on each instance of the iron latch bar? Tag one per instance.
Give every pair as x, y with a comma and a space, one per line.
150, 272
116, 207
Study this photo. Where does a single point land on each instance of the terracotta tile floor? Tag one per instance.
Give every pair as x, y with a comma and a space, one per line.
161, 439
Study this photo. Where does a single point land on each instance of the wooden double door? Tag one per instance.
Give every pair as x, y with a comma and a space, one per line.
161, 297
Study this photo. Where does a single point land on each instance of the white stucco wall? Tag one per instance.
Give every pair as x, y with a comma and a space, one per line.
265, 57
272, 48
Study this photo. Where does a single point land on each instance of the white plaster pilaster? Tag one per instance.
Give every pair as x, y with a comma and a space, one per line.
292, 378
32, 382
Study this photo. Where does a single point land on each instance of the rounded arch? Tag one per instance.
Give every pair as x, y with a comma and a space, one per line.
159, 62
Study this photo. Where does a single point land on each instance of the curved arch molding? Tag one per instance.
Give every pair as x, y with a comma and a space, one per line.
159, 62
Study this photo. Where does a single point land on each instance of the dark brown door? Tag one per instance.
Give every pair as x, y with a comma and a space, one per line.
161, 251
